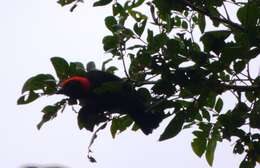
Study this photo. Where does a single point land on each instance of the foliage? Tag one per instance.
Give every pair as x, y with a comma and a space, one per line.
187, 75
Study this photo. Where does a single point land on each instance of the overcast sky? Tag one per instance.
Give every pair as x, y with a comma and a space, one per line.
33, 31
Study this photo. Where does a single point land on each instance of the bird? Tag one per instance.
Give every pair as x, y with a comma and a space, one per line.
101, 94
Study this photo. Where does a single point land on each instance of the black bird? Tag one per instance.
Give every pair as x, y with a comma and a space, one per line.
101, 93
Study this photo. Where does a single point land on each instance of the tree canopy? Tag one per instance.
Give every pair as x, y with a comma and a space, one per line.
182, 56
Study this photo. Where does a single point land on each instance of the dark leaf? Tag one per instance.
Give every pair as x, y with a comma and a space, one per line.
211, 99
50, 109
109, 43
137, 3
118, 9
254, 118
205, 114
201, 22
210, 150
61, 67
139, 27
38, 82
138, 16
239, 148
135, 127
214, 40
120, 124
65, 2
111, 69
104, 64
76, 68
111, 23
199, 145
184, 24
189, 125
92, 159
239, 66
219, 105
250, 96
248, 15
25, 99
174, 127
102, 2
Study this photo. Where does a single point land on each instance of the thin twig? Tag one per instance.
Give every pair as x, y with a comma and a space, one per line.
73, 109
94, 136
226, 11
248, 73
123, 60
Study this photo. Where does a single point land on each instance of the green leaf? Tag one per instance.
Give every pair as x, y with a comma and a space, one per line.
118, 9
219, 105
65, 2
139, 27
38, 82
201, 22
199, 145
206, 127
254, 117
184, 24
214, 40
61, 67
239, 66
120, 124
248, 15
188, 125
205, 114
211, 99
104, 64
210, 150
144, 92
25, 99
250, 96
138, 16
111, 69
50, 109
109, 43
238, 148
135, 127
50, 112
137, 4
102, 3
111, 23
76, 68
156, 42
149, 36
174, 127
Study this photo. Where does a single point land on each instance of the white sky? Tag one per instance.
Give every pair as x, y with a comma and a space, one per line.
32, 32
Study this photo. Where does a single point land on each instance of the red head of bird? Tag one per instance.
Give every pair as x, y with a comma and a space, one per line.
75, 87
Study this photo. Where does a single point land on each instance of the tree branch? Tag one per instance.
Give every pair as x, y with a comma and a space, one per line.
240, 88
222, 20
